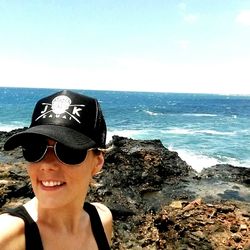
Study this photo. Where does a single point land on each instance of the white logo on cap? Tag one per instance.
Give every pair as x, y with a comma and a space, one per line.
59, 107
60, 104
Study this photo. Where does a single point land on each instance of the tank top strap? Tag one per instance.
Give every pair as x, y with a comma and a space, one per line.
97, 227
32, 235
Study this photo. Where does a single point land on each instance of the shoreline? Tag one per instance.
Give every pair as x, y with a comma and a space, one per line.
197, 161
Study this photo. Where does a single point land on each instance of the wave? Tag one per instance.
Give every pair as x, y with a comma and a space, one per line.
8, 128
124, 133
151, 113
196, 161
194, 114
185, 114
200, 161
193, 131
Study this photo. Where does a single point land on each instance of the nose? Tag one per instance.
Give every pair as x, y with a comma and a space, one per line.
50, 161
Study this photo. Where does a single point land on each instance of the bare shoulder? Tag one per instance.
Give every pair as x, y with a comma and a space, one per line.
11, 232
106, 218
102, 210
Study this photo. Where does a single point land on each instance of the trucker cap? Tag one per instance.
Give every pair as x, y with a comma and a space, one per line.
70, 118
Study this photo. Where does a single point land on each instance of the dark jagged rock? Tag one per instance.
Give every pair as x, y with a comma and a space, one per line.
226, 172
134, 168
150, 190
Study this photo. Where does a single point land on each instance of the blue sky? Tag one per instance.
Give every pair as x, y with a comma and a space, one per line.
144, 45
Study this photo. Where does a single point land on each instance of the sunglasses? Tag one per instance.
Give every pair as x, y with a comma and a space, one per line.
36, 150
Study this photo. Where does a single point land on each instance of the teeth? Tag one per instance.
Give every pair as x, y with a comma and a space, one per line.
51, 183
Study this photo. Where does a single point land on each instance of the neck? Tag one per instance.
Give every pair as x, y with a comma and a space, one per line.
66, 218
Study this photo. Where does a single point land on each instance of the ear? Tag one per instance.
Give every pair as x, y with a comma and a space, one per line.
98, 163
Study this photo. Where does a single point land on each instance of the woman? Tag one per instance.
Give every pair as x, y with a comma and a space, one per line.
64, 147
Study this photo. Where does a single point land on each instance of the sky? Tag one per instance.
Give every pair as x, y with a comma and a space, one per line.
197, 46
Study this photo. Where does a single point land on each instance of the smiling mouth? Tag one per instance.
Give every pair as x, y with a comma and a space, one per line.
52, 183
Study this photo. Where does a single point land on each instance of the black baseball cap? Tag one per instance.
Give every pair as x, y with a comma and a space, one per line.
70, 118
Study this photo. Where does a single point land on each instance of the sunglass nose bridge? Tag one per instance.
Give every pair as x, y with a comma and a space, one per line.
51, 149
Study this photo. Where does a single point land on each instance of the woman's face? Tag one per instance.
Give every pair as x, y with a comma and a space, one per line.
56, 184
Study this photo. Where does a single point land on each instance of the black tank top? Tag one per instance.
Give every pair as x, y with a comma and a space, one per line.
32, 235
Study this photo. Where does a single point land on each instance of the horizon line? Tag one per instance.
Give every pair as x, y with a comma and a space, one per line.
122, 90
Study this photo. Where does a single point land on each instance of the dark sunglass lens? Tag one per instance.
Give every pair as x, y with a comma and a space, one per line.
70, 156
34, 151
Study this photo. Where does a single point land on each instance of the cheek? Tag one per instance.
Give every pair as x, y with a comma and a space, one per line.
31, 170
79, 180
82, 173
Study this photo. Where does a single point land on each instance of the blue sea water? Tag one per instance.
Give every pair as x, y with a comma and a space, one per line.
204, 129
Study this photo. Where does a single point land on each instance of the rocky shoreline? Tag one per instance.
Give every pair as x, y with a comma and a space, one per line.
158, 201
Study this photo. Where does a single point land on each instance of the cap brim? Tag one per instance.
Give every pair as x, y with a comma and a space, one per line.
64, 135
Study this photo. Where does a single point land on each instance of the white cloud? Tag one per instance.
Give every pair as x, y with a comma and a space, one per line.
184, 44
191, 18
188, 17
182, 6
243, 17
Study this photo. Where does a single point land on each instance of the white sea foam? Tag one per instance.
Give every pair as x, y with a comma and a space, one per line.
151, 113
185, 131
123, 133
214, 132
181, 131
200, 161
196, 161
236, 162
200, 115
8, 128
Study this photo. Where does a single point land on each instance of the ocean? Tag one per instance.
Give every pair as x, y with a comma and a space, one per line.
205, 129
